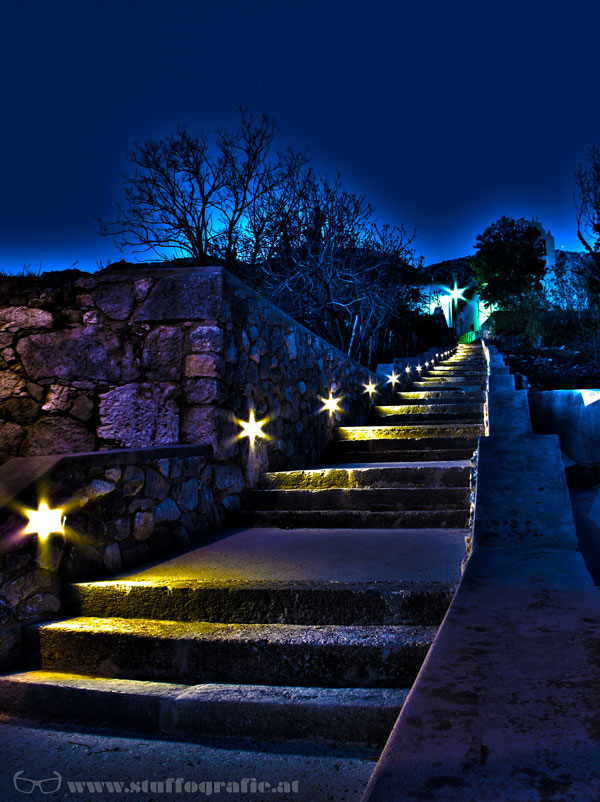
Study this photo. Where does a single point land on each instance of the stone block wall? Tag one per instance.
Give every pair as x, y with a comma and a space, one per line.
136, 358
123, 508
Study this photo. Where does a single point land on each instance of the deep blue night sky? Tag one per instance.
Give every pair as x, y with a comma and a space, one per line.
445, 115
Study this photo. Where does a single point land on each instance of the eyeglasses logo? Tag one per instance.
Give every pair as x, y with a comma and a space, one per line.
26, 786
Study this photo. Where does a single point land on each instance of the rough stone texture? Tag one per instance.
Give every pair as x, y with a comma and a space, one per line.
11, 438
10, 384
15, 318
184, 295
115, 300
163, 354
57, 436
169, 356
135, 415
81, 352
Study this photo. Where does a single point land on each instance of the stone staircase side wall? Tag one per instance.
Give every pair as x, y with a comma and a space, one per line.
137, 379
574, 415
139, 358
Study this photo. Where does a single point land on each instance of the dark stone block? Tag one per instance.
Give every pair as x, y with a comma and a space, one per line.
191, 296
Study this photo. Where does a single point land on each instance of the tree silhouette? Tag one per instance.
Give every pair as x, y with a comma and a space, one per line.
587, 204
509, 263
186, 195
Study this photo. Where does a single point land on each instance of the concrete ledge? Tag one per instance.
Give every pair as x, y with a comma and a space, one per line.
19, 474
505, 707
574, 415
508, 411
501, 381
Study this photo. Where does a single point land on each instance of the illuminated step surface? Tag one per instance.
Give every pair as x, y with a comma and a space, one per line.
194, 652
447, 384
434, 449
396, 432
389, 475
361, 498
277, 713
429, 412
440, 396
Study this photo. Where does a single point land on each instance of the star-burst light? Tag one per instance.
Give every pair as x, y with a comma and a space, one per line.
393, 378
331, 404
419, 368
455, 294
253, 428
370, 388
44, 521
407, 368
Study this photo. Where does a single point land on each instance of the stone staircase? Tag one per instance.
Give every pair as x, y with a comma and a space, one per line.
311, 620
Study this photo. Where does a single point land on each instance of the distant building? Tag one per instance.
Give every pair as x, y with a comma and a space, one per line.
563, 285
452, 290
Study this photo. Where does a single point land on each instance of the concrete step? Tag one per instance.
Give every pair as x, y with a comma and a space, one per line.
452, 396
415, 432
432, 406
434, 413
428, 474
425, 417
402, 450
459, 368
263, 712
354, 456
300, 576
406, 519
466, 379
444, 384
308, 602
197, 652
360, 498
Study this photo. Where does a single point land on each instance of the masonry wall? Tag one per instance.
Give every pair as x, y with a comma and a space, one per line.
122, 508
139, 378
130, 359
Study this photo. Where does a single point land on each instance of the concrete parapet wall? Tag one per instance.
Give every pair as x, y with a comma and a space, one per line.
505, 706
574, 415
131, 359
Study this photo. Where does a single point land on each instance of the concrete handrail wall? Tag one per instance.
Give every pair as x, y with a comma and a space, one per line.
505, 705
574, 415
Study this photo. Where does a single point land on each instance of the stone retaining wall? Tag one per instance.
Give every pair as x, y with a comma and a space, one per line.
131, 359
122, 369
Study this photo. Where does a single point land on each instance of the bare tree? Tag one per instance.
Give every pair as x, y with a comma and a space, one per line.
299, 238
186, 195
587, 204
331, 267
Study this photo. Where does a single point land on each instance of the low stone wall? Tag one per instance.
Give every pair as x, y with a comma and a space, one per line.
574, 415
123, 508
136, 358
